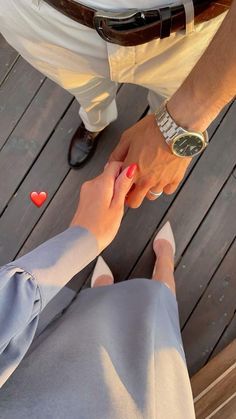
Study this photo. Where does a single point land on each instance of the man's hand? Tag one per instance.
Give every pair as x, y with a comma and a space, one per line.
158, 169
208, 88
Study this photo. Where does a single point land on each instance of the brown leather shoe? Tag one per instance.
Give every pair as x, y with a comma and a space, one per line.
82, 147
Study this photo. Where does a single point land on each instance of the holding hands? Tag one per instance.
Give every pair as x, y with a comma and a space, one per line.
159, 170
102, 200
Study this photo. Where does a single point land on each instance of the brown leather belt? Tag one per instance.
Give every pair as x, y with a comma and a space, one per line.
133, 27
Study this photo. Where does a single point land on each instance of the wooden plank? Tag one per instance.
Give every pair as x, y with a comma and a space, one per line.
227, 411
216, 123
46, 174
29, 137
228, 336
135, 232
8, 57
214, 386
209, 374
54, 159
222, 393
208, 178
206, 250
66, 199
198, 193
16, 93
218, 303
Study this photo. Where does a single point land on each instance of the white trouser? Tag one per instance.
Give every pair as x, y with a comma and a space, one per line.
76, 58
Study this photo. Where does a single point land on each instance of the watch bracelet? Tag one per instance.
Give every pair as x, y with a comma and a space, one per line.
168, 126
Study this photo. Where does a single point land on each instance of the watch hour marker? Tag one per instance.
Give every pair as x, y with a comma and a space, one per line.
188, 146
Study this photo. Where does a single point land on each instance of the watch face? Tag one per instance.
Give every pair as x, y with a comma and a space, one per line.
188, 145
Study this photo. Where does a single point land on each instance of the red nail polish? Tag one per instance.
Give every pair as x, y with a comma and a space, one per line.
131, 171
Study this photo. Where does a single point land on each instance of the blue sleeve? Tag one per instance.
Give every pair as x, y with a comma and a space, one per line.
29, 283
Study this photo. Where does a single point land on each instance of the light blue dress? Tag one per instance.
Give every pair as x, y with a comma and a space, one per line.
116, 353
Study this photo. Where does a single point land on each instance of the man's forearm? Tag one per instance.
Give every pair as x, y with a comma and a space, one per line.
212, 82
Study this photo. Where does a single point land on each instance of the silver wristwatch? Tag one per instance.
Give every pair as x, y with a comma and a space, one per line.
182, 142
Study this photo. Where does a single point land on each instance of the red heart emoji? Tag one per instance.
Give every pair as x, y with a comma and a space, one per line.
38, 198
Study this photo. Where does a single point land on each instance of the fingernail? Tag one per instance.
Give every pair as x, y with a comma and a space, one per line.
106, 165
131, 171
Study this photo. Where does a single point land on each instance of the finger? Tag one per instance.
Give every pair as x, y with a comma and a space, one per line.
112, 170
120, 152
157, 189
106, 165
137, 195
123, 184
171, 188
104, 184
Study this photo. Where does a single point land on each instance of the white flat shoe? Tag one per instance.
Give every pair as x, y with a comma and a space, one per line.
101, 268
166, 233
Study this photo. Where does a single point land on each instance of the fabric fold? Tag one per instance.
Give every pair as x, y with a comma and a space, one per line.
30, 282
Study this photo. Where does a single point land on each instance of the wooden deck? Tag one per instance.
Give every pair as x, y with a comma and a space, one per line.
37, 122
214, 386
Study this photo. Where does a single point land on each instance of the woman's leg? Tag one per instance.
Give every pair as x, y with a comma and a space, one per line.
103, 280
102, 274
164, 267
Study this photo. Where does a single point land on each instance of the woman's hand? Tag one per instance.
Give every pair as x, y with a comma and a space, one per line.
102, 200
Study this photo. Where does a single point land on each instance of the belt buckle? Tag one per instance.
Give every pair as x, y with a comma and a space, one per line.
107, 23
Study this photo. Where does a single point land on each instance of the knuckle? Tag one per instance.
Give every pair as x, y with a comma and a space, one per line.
88, 184
152, 177
85, 186
150, 198
171, 189
134, 205
125, 133
177, 183
144, 183
132, 202
122, 138
178, 179
98, 184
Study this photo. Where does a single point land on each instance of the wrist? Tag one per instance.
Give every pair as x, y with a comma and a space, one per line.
191, 114
184, 143
194, 106
78, 222
162, 144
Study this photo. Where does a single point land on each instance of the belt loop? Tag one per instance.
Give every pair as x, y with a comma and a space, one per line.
189, 16
166, 21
